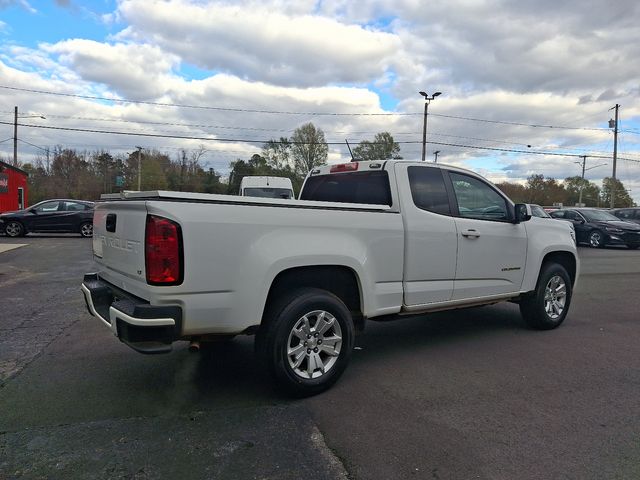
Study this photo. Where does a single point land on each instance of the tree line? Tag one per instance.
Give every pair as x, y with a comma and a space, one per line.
70, 173
549, 191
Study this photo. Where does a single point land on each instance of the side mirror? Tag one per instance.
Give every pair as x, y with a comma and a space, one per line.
523, 212
33, 210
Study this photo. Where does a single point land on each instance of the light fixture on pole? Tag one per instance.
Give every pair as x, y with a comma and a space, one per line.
583, 164
427, 100
15, 131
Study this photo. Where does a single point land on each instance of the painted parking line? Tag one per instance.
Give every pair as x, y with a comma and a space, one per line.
11, 246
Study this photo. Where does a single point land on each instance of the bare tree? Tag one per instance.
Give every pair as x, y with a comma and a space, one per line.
309, 148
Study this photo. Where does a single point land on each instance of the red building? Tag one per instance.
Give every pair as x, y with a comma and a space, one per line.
13, 188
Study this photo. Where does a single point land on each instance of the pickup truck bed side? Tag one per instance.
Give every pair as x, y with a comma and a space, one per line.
244, 249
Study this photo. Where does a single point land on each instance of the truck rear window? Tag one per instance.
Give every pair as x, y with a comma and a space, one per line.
357, 187
266, 192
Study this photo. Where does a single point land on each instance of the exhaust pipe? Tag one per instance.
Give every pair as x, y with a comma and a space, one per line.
194, 346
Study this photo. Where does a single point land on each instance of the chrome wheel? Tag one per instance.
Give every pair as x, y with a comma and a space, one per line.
13, 229
595, 239
555, 297
86, 230
314, 344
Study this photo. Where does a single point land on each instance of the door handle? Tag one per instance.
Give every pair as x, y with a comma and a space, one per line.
471, 233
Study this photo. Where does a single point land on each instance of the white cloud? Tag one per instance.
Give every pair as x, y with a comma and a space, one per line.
20, 3
135, 71
260, 43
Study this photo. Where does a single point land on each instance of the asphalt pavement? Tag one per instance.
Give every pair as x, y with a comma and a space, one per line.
469, 394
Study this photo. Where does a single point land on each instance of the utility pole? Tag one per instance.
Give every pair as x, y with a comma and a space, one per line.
139, 168
435, 154
615, 155
15, 136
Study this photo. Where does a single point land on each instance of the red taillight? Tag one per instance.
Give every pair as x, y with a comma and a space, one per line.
163, 251
344, 167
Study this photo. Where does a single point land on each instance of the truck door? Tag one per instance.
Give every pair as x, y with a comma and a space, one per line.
492, 250
430, 235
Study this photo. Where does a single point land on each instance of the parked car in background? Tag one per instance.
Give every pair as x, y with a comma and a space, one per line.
266, 187
627, 214
538, 211
51, 216
599, 228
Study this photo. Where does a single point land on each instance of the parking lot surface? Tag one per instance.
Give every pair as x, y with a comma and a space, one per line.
464, 394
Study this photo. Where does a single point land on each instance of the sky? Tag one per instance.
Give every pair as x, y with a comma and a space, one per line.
527, 86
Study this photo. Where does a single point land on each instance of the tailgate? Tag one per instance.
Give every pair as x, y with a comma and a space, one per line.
118, 238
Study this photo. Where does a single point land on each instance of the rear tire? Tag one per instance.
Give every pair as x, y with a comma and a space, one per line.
306, 341
14, 229
547, 307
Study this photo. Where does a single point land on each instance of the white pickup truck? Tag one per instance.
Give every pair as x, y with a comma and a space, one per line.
366, 240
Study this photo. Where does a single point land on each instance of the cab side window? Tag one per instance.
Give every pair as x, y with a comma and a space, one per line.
428, 190
477, 199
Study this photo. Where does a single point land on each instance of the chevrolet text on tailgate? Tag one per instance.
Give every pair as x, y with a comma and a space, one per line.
366, 240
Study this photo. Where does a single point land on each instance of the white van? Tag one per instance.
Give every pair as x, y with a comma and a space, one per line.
266, 187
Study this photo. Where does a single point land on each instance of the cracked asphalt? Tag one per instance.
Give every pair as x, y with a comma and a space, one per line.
456, 395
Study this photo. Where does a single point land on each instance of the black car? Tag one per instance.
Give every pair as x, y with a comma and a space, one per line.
627, 214
599, 228
59, 216
538, 211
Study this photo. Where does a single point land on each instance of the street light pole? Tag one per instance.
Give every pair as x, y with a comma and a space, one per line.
427, 100
615, 154
435, 154
15, 132
583, 164
139, 168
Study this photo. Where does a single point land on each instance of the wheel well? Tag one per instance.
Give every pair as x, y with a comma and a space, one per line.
566, 259
339, 280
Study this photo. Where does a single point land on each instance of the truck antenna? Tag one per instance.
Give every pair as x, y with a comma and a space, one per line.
350, 152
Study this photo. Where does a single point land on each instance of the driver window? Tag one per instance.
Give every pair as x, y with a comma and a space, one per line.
477, 199
48, 207
569, 215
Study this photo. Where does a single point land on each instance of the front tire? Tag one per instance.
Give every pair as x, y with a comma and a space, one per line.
549, 304
596, 239
86, 229
306, 341
14, 229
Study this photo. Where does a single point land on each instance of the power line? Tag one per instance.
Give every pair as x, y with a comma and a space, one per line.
34, 145
225, 127
185, 137
201, 107
519, 124
276, 112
